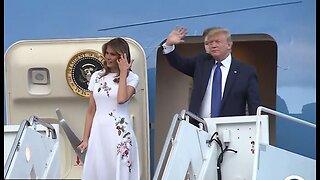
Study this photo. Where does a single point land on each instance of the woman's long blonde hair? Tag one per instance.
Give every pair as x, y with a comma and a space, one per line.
120, 46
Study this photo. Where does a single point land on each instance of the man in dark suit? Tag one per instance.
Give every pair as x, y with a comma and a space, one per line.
238, 81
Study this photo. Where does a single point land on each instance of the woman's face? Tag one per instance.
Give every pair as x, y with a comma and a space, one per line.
111, 58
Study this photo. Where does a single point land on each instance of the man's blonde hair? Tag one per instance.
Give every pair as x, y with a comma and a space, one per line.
217, 30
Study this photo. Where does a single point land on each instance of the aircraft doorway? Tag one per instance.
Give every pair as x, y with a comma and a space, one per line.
173, 89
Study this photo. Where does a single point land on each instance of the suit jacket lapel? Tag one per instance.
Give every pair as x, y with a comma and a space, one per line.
206, 75
232, 76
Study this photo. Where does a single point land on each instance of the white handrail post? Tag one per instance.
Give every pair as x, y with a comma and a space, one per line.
258, 129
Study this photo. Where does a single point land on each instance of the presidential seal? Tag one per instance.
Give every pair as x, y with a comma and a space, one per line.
80, 68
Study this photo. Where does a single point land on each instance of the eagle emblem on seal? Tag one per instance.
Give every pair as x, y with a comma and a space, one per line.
80, 68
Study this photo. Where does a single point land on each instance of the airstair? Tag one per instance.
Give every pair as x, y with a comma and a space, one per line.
229, 148
223, 148
34, 152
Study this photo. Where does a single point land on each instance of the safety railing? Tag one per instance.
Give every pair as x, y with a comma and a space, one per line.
32, 121
261, 109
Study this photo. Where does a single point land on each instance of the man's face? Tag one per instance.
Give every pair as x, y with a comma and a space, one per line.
217, 45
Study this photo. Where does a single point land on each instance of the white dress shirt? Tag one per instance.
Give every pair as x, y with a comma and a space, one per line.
167, 49
205, 110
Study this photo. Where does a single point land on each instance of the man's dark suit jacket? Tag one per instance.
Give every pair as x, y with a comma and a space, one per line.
241, 85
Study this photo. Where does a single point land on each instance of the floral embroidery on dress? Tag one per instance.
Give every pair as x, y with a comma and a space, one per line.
97, 79
123, 148
103, 85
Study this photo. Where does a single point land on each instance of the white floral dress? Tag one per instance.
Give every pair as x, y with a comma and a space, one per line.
112, 152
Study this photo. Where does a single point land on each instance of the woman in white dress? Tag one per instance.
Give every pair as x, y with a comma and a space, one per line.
110, 142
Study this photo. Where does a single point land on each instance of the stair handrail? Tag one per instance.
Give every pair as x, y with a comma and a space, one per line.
261, 109
175, 119
33, 120
185, 113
